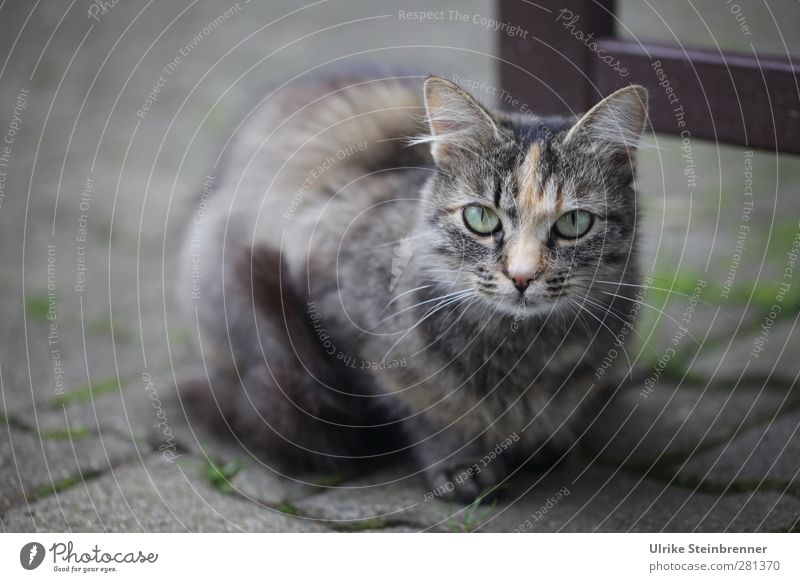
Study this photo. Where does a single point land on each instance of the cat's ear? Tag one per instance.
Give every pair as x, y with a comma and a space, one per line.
615, 124
456, 120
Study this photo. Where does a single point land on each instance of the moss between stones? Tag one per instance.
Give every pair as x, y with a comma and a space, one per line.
88, 392
360, 525
288, 509
61, 485
67, 433
37, 306
220, 476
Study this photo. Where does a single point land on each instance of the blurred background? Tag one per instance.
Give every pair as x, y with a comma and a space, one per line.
98, 181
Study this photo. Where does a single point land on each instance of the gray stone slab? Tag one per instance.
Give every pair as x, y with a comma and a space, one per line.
686, 328
600, 499
777, 361
573, 497
32, 466
154, 496
387, 499
767, 455
672, 421
675, 231
265, 484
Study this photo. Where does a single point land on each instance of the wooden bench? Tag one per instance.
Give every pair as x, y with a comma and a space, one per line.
569, 57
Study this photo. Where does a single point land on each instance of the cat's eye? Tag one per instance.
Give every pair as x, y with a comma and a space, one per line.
574, 224
481, 220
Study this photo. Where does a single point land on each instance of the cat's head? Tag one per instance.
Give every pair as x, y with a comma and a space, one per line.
530, 212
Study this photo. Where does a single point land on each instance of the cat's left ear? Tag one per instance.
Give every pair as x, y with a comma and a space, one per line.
615, 124
456, 120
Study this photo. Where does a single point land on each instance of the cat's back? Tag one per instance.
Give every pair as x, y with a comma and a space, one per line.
312, 139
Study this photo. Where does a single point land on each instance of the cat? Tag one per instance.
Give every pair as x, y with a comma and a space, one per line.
363, 283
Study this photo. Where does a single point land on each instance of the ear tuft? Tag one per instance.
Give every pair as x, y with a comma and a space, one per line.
616, 123
456, 120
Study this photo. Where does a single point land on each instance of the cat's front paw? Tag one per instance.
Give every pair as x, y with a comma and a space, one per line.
462, 481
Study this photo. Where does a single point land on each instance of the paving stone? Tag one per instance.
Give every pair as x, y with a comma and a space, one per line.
596, 499
32, 466
778, 360
134, 250
387, 499
263, 484
155, 496
600, 499
144, 409
667, 425
706, 328
769, 453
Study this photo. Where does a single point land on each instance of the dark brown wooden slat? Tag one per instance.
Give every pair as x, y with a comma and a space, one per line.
535, 72
732, 98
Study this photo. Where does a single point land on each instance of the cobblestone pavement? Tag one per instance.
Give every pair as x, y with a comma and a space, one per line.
95, 189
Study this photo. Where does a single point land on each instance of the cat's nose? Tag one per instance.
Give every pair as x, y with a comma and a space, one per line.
522, 278
521, 282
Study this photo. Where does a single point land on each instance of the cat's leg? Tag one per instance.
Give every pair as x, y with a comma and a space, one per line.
455, 466
282, 393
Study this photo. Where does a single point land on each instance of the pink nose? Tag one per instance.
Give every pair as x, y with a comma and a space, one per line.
522, 278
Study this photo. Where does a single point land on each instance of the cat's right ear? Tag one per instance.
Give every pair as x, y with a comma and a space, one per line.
615, 124
456, 120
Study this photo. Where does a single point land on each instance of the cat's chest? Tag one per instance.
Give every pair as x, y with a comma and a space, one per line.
483, 364
516, 366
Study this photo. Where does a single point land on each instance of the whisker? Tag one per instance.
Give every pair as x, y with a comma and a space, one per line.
468, 297
621, 316
578, 318
657, 310
463, 302
628, 324
406, 293
670, 291
621, 347
439, 306
442, 297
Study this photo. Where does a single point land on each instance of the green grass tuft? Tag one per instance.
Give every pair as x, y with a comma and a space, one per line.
288, 509
473, 515
37, 306
68, 433
220, 475
51, 488
360, 525
333, 480
87, 393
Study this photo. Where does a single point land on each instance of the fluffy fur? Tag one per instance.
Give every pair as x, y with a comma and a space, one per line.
345, 311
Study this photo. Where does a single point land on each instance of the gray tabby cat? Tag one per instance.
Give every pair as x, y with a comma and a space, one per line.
357, 294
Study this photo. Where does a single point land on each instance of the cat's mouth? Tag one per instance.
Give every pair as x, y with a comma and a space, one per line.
532, 302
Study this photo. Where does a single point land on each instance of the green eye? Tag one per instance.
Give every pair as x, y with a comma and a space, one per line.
574, 224
481, 220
